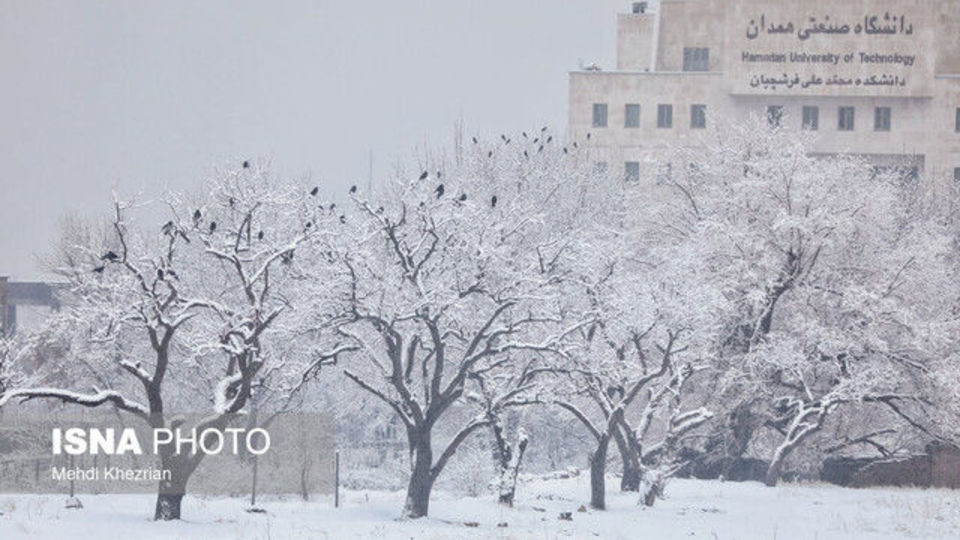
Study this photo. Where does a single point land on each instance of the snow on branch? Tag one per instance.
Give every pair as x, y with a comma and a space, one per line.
99, 397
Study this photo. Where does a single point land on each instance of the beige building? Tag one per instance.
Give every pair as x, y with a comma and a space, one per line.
878, 78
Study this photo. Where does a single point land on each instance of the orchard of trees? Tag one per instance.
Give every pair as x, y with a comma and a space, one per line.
745, 299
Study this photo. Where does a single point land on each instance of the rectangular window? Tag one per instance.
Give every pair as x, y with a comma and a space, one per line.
599, 115
775, 115
664, 116
632, 115
698, 116
631, 170
811, 118
696, 59
845, 118
881, 119
956, 174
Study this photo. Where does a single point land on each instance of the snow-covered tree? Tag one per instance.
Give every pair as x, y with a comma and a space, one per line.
5, 364
647, 467
827, 266
184, 316
499, 393
641, 348
453, 275
652, 323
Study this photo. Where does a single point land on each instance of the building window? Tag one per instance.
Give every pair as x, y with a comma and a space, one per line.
632, 115
958, 121
599, 115
631, 170
775, 115
956, 174
845, 118
698, 116
811, 118
696, 59
600, 167
881, 119
664, 116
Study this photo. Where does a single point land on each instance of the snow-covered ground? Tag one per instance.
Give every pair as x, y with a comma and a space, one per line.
693, 509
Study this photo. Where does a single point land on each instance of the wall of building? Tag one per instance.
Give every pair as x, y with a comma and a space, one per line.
923, 113
944, 466
947, 14
690, 23
634, 41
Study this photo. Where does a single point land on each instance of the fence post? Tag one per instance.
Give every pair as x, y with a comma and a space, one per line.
336, 479
253, 490
71, 477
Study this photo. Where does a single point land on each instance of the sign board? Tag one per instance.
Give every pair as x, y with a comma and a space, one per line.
847, 48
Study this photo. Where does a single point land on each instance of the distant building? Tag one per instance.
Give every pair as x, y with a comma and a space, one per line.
878, 78
36, 297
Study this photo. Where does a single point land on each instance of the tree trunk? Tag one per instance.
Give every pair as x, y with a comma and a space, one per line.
598, 470
511, 469
630, 481
170, 492
168, 507
630, 457
742, 425
421, 475
797, 432
507, 495
181, 466
776, 464
653, 485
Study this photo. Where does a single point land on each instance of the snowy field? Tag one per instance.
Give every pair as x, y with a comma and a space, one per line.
693, 509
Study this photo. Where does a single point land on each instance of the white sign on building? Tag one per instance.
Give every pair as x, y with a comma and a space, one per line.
863, 48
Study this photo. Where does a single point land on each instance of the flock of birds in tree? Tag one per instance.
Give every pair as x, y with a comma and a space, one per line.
539, 141
169, 228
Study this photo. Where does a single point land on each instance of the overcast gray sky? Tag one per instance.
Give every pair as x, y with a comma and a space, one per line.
149, 95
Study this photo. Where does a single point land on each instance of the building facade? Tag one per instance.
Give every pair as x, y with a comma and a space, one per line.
18, 298
877, 78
